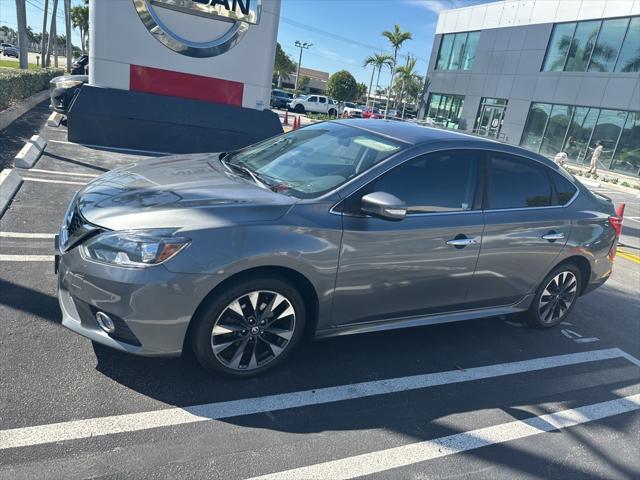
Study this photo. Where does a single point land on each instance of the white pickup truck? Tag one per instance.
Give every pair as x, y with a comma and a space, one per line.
314, 104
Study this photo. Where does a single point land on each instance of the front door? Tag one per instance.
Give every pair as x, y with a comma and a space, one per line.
419, 265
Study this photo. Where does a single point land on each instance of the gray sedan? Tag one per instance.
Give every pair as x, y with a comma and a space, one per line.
337, 228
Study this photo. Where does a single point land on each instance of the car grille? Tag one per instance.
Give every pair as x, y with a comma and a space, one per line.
77, 229
75, 223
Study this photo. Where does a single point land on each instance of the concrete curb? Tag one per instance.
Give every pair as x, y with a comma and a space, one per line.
30, 153
10, 183
54, 119
9, 115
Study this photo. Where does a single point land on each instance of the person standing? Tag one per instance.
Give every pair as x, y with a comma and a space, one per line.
595, 157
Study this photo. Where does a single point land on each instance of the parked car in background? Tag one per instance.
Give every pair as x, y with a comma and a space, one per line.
372, 112
80, 65
350, 110
9, 50
341, 227
280, 98
62, 91
314, 104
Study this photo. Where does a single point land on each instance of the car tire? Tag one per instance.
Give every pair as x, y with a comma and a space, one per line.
556, 297
260, 351
298, 108
333, 113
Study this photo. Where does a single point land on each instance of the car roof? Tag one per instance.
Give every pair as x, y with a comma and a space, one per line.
406, 132
414, 134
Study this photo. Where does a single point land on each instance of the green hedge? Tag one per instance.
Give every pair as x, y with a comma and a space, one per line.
16, 84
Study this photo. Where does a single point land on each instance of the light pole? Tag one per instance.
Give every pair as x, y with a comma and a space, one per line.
301, 46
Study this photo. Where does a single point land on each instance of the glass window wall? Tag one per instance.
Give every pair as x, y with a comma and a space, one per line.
557, 50
595, 45
604, 55
457, 51
536, 124
581, 46
445, 110
629, 58
556, 130
551, 129
627, 155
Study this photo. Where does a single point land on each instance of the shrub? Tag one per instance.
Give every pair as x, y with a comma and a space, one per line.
16, 84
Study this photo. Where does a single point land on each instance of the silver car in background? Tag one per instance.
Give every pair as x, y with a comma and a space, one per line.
338, 228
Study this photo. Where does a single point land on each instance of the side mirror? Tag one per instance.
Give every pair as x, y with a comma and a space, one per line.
383, 205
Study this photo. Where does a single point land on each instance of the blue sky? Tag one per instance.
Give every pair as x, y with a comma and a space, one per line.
35, 11
343, 32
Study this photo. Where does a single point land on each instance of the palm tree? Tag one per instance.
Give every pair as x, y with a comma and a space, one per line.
379, 61
80, 20
406, 74
396, 38
283, 65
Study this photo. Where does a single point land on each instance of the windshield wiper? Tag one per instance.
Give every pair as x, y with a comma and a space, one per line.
256, 178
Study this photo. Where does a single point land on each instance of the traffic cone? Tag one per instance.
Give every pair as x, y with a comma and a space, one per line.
620, 210
286, 118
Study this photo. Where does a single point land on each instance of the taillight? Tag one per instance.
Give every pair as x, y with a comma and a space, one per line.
616, 223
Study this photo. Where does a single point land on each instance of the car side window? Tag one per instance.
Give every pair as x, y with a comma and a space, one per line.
437, 182
313, 99
518, 183
322, 100
565, 190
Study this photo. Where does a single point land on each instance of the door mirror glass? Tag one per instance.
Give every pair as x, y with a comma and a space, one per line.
383, 205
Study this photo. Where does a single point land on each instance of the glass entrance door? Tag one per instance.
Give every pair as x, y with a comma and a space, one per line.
491, 114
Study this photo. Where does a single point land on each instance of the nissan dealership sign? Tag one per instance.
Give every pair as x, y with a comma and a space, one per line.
239, 14
219, 51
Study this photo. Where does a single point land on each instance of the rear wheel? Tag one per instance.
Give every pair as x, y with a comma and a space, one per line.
556, 297
250, 327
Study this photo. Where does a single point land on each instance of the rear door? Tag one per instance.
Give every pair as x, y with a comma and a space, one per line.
424, 263
526, 228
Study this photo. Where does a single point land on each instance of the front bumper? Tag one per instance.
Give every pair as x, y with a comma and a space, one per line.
152, 306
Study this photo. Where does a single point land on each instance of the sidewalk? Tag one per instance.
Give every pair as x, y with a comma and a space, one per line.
615, 180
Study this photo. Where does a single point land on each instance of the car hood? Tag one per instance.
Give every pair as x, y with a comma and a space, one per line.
182, 191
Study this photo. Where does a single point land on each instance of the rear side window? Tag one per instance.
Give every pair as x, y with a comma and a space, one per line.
518, 183
438, 182
565, 190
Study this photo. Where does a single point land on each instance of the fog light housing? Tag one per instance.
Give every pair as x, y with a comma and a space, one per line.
105, 322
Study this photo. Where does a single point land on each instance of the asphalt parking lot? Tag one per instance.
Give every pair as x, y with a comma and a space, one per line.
488, 399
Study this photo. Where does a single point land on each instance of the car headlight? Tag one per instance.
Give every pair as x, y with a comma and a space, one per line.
68, 83
135, 248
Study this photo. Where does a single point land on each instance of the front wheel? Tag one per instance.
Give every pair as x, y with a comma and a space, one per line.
556, 297
250, 327
333, 113
298, 108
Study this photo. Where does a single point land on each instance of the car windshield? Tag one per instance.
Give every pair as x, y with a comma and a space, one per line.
350, 105
311, 161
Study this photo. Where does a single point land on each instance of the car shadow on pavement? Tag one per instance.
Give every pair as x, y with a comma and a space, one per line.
29, 300
76, 162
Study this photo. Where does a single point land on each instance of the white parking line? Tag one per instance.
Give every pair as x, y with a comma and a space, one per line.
26, 258
54, 172
92, 427
383, 460
26, 235
44, 180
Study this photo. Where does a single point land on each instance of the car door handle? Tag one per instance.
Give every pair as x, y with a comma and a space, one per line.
462, 242
553, 236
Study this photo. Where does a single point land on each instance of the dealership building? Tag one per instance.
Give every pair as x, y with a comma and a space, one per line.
549, 75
